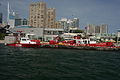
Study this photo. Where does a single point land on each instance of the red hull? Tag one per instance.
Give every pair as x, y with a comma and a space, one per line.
105, 44
24, 45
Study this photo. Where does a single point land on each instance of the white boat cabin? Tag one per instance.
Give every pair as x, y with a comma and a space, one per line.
26, 41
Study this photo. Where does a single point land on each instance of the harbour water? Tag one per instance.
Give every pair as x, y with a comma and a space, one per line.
58, 64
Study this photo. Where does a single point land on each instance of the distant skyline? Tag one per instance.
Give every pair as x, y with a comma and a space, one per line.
88, 11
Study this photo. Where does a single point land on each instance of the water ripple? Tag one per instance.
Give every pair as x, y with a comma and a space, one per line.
58, 64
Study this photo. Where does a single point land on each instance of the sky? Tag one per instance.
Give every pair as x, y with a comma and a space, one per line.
88, 11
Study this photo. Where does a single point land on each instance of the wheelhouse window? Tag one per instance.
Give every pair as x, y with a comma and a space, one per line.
23, 39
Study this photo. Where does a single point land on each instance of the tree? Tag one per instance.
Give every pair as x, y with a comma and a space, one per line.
2, 36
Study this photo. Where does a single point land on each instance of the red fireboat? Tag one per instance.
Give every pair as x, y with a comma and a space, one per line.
20, 39
80, 42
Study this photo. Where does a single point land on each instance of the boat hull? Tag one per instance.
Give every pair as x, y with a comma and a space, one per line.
24, 45
104, 44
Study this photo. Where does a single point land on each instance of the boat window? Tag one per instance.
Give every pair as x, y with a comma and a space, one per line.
23, 39
85, 42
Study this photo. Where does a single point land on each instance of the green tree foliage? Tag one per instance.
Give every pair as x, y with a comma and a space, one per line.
2, 36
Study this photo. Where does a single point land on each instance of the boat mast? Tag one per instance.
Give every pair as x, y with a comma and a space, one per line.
8, 11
